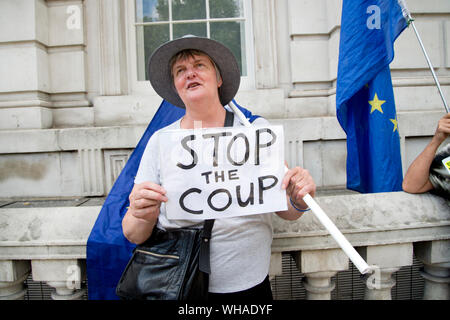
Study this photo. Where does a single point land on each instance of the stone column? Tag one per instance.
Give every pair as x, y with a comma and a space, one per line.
380, 284
319, 266
112, 40
63, 275
319, 285
387, 259
12, 275
435, 255
266, 73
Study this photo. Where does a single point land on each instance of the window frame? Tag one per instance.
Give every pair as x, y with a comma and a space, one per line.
143, 87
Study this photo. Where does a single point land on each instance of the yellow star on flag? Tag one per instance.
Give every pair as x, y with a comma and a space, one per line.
395, 122
376, 104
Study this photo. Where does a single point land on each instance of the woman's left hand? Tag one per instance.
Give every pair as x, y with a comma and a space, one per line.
298, 182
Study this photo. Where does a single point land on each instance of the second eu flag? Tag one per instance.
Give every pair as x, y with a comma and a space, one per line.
365, 104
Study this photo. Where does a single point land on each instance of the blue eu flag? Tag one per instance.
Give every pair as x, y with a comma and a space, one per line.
365, 104
107, 250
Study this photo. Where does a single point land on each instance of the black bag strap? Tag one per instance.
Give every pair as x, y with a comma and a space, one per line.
204, 262
229, 119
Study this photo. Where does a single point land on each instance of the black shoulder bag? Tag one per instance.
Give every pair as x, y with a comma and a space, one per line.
170, 265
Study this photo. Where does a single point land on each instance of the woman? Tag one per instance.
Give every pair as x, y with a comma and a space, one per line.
202, 76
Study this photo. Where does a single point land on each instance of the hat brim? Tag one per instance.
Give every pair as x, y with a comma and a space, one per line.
160, 74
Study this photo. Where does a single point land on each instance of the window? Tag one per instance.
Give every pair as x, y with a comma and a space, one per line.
158, 21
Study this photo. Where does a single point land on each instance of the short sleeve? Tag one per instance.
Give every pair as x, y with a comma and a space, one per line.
149, 166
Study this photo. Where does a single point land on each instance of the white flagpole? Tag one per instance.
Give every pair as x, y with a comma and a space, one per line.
407, 15
345, 245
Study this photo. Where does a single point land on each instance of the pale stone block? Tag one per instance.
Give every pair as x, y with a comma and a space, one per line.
334, 9
308, 17
42, 27
283, 40
99, 138
313, 150
73, 117
12, 270
332, 104
31, 140
66, 25
23, 20
43, 75
433, 252
419, 123
309, 59
408, 53
46, 232
25, 70
267, 103
429, 6
314, 128
333, 53
388, 256
93, 50
330, 170
332, 130
67, 71
322, 260
333, 158
17, 20
25, 118
125, 110
57, 270
419, 98
265, 48
306, 107
39, 175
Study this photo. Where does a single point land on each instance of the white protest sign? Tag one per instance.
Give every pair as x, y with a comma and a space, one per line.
225, 172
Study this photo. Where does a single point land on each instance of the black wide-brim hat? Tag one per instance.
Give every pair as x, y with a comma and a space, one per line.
160, 74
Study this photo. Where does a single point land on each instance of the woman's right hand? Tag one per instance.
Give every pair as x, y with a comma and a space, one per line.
145, 201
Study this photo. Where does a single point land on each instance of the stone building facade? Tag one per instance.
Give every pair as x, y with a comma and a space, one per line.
72, 108
74, 101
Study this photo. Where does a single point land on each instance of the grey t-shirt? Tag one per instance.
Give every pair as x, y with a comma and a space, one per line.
240, 247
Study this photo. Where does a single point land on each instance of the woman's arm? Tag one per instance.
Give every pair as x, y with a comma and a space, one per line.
142, 215
416, 179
